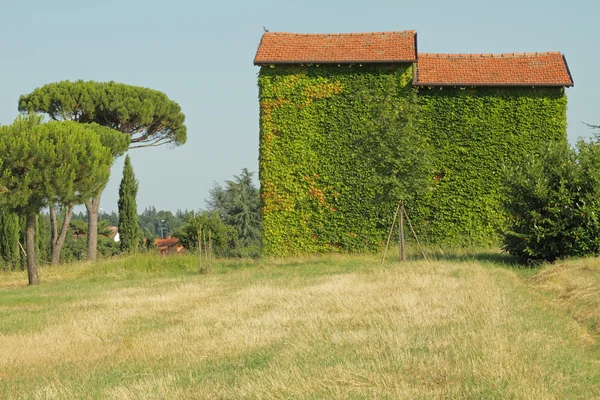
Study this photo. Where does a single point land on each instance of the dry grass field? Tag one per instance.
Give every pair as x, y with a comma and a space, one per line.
325, 327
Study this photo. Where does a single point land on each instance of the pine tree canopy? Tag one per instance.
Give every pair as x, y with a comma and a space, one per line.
54, 162
148, 116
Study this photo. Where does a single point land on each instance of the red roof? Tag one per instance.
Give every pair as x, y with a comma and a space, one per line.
514, 69
374, 47
162, 244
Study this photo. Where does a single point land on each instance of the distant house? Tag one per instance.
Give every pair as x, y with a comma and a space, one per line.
168, 245
317, 94
114, 235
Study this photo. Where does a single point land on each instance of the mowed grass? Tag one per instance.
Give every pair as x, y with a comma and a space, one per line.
318, 327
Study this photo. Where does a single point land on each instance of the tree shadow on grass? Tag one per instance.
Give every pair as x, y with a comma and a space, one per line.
490, 256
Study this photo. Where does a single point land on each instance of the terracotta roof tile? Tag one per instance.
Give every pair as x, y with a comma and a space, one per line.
512, 69
295, 48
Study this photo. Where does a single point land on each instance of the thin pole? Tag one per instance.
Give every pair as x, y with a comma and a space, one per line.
200, 250
390, 234
401, 232
205, 246
210, 250
415, 235
22, 249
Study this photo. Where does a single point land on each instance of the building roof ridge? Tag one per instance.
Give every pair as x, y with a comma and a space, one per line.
408, 31
490, 55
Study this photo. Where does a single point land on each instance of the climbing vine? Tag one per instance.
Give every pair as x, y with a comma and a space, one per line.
476, 134
319, 191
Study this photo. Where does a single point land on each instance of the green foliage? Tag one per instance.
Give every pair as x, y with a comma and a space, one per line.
553, 204
399, 154
115, 141
152, 222
75, 247
55, 162
238, 205
149, 243
222, 235
112, 218
43, 234
476, 133
10, 254
130, 232
107, 247
322, 180
76, 243
148, 116
319, 191
44, 164
78, 227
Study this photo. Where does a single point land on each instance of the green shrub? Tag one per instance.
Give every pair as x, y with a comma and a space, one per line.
553, 204
210, 226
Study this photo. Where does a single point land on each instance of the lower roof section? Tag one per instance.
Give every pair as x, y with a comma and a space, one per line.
513, 69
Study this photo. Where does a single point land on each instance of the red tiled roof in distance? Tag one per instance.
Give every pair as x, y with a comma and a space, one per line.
374, 47
167, 242
513, 69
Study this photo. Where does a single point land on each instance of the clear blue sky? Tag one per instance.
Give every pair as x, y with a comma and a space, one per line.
200, 54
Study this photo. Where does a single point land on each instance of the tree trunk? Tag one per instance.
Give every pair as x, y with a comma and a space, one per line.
92, 206
58, 238
401, 232
32, 271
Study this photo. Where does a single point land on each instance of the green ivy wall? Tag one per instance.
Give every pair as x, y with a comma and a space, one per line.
476, 133
318, 192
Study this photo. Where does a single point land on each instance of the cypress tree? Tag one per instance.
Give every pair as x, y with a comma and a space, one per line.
9, 240
130, 232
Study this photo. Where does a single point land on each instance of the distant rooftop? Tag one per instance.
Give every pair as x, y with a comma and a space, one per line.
512, 69
373, 47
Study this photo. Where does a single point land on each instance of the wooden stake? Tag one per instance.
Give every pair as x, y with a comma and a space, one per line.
209, 250
205, 247
387, 245
22, 249
401, 232
200, 267
415, 235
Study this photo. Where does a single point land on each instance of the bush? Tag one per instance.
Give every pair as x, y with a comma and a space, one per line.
222, 236
553, 204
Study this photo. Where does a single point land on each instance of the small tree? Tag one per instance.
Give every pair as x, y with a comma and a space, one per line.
238, 205
149, 243
200, 224
401, 157
42, 163
130, 232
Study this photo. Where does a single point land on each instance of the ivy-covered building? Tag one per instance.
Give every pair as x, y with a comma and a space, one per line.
317, 92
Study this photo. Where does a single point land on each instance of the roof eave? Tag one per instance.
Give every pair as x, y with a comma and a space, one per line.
494, 84
298, 62
568, 70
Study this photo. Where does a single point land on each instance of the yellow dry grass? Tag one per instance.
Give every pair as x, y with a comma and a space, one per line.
574, 286
328, 327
